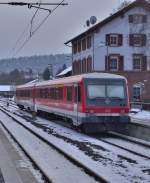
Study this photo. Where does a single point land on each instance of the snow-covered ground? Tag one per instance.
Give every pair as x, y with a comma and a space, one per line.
140, 116
114, 164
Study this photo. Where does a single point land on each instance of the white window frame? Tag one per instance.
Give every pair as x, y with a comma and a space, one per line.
114, 58
112, 38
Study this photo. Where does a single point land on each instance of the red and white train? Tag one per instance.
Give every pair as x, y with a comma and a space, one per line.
93, 102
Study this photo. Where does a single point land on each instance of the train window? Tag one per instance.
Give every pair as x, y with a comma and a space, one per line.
96, 91
60, 93
41, 93
114, 91
69, 93
38, 93
56, 93
77, 97
45, 93
52, 93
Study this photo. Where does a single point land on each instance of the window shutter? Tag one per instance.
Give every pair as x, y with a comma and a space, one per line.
143, 40
121, 63
144, 18
107, 39
120, 39
144, 63
130, 18
131, 41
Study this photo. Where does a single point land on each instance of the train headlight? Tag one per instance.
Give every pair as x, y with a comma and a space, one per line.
89, 111
122, 111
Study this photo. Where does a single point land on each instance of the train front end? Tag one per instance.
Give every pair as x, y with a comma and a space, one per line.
106, 103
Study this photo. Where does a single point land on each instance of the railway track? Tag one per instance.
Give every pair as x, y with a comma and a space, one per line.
132, 145
93, 176
129, 159
141, 148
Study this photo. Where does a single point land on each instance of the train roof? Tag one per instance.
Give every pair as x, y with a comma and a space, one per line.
73, 79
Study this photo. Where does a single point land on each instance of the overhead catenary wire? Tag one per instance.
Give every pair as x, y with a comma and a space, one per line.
32, 19
37, 28
25, 30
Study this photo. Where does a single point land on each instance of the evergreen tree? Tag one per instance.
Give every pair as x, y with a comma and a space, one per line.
64, 67
46, 74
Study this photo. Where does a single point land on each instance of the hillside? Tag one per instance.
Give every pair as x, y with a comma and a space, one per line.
36, 63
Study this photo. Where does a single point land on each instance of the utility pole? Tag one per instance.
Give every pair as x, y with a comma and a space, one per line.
50, 67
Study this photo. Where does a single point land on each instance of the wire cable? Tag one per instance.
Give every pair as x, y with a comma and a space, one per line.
24, 31
33, 17
38, 27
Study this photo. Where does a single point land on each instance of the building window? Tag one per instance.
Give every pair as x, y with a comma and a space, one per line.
79, 46
136, 92
89, 64
84, 44
137, 40
84, 65
137, 62
137, 18
74, 67
75, 48
114, 39
89, 42
79, 67
113, 63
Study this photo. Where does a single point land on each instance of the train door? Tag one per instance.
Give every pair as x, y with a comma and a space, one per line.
34, 99
76, 103
77, 98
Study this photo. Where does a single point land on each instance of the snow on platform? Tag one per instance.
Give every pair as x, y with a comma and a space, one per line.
140, 116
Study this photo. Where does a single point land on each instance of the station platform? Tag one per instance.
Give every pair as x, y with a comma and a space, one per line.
11, 170
140, 117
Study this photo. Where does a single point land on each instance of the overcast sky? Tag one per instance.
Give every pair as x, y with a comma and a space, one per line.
65, 23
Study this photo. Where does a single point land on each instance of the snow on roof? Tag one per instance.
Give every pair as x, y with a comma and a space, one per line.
65, 71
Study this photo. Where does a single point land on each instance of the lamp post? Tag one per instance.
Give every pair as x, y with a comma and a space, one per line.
103, 44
